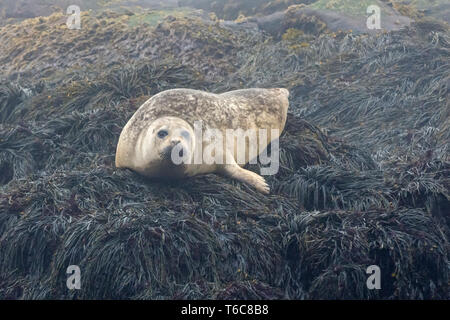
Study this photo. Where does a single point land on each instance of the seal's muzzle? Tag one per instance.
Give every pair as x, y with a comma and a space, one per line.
174, 154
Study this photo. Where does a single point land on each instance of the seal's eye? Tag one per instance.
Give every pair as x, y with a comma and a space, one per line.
185, 134
162, 134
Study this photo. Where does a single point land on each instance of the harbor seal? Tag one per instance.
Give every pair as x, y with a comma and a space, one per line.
163, 140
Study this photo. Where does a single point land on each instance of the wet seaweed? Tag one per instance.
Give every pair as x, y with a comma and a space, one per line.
364, 170
325, 257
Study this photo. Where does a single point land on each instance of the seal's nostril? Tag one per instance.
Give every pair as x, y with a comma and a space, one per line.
181, 153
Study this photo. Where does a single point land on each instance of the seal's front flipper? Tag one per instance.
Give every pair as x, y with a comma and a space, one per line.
236, 172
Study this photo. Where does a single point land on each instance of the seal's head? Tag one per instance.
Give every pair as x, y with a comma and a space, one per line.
165, 147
